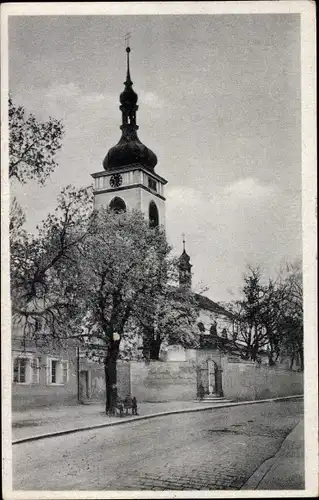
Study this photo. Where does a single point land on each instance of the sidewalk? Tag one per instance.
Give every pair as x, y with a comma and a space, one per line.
286, 470
33, 424
40, 421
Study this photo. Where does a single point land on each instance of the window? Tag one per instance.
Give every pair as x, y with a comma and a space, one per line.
54, 364
26, 369
57, 372
118, 205
153, 215
152, 184
20, 370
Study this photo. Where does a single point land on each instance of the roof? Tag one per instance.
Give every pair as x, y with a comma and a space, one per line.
209, 305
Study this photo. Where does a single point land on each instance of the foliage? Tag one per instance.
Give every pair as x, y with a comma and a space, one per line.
93, 276
40, 292
170, 319
270, 316
123, 266
17, 220
33, 145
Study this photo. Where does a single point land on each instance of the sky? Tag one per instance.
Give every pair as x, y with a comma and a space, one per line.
219, 104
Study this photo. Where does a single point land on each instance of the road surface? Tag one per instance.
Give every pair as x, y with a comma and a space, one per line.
213, 449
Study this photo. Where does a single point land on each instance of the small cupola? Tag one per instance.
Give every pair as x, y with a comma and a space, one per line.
185, 268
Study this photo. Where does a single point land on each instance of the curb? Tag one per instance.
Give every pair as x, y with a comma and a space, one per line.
151, 415
256, 478
259, 474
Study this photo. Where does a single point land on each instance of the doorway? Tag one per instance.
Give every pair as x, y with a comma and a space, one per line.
84, 385
209, 378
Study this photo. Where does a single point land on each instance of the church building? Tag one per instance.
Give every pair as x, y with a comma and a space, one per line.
128, 181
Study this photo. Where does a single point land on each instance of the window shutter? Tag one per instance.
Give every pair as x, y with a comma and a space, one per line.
64, 372
35, 367
16, 370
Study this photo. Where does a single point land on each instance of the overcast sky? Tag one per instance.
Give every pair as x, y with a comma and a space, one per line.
219, 104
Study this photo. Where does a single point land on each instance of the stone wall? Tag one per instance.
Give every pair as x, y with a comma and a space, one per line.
170, 380
203, 355
246, 381
164, 381
123, 379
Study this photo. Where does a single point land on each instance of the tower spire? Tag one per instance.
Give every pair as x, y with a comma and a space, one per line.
183, 236
129, 150
128, 50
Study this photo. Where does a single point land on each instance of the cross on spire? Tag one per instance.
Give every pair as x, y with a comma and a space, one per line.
127, 39
183, 236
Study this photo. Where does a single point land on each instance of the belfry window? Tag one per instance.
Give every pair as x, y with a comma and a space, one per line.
153, 215
152, 184
118, 205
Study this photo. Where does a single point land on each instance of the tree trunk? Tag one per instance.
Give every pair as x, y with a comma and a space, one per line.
110, 377
271, 360
300, 351
254, 350
146, 346
292, 358
150, 343
155, 348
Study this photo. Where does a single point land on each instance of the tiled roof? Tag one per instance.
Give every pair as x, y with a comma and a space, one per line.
209, 305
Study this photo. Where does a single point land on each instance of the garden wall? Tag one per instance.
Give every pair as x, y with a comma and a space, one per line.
163, 381
243, 381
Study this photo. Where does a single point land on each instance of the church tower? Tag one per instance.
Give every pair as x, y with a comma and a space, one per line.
185, 269
129, 180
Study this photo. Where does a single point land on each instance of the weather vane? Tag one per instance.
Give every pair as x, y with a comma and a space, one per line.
127, 38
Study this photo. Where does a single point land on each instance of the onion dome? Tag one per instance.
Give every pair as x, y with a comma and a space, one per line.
184, 261
127, 152
129, 149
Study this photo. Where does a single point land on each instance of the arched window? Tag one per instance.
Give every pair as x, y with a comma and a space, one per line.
118, 205
153, 215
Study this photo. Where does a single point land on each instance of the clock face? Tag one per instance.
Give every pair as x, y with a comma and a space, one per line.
116, 180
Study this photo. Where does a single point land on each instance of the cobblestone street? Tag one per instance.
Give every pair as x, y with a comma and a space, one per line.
213, 449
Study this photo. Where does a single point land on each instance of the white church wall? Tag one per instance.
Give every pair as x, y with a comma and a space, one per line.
135, 198
146, 198
131, 197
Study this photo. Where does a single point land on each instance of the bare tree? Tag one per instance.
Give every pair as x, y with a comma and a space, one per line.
291, 320
270, 316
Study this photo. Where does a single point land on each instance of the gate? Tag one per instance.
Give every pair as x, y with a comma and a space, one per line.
209, 378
